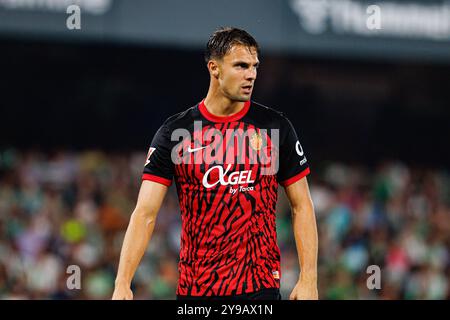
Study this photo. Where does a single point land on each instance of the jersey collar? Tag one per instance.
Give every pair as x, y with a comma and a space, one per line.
234, 117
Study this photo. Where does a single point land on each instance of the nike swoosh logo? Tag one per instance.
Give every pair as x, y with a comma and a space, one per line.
195, 149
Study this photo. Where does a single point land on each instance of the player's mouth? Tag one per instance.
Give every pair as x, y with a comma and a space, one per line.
247, 89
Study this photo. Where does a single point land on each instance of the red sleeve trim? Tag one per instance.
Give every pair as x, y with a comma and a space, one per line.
295, 178
151, 177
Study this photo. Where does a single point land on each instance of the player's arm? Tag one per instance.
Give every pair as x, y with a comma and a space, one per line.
305, 233
137, 236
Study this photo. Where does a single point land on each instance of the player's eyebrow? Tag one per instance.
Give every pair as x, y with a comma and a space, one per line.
245, 64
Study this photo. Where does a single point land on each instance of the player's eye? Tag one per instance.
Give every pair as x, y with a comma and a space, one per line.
242, 65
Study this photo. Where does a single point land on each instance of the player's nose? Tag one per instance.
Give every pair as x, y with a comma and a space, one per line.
250, 75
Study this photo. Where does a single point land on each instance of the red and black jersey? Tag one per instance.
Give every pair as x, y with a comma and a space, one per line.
227, 171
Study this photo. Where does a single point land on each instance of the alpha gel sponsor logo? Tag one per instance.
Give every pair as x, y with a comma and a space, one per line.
217, 174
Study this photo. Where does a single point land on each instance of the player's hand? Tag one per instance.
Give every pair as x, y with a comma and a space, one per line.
305, 290
122, 293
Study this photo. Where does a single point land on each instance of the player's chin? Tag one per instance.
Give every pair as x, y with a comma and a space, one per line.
243, 97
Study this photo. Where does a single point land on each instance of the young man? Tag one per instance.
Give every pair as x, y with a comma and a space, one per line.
227, 156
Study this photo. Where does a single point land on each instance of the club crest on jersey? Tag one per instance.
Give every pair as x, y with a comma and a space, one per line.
149, 154
256, 141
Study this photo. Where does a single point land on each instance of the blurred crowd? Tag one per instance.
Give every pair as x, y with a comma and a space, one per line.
65, 208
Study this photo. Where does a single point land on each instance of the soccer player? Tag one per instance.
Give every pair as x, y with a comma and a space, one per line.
227, 156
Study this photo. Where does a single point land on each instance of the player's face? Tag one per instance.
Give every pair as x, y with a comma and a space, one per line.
237, 73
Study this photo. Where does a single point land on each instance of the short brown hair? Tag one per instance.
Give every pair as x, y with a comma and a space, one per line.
223, 39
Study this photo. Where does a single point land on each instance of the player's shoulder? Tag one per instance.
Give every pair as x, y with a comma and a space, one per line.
179, 119
264, 111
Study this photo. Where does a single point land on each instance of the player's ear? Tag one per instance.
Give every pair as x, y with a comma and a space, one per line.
213, 68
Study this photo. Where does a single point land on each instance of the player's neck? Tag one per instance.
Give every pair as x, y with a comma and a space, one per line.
222, 106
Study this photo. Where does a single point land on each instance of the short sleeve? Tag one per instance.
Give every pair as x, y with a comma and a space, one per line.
158, 165
293, 164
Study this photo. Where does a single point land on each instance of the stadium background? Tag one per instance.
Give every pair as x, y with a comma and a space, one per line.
79, 107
